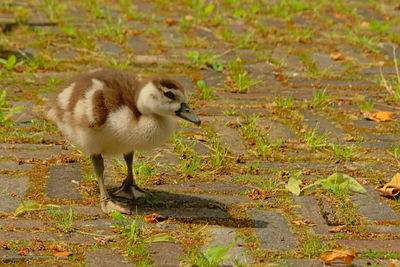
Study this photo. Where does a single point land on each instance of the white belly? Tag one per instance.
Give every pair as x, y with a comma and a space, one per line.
122, 133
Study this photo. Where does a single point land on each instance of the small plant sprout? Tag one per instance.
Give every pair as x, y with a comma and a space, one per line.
205, 92
11, 63
5, 113
242, 82
320, 99
314, 140
212, 257
207, 59
284, 102
63, 218
367, 105
392, 86
395, 151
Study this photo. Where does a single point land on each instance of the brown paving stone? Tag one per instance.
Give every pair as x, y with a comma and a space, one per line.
319, 263
12, 256
29, 151
166, 254
323, 124
383, 229
374, 245
105, 257
231, 139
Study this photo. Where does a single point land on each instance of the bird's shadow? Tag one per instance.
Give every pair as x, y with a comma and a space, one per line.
191, 207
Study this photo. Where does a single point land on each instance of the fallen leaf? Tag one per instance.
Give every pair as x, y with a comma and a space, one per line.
364, 24
345, 255
293, 185
152, 218
380, 116
188, 17
393, 263
391, 188
305, 222
337, 229
23, 252
256, 194
338, 180
337, 56
63, 254
199, 137
170, 22
13, 195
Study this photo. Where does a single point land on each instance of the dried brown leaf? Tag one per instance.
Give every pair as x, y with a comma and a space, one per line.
256, 194
391, 188
153, 218
337, 228
347, 256
337, 56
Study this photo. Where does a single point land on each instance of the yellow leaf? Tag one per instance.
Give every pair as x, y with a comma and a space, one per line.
391, 188
337, 56
345, 255
379, 116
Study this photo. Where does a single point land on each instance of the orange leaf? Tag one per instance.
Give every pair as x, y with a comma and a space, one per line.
393, 263
345, 255
152, 218
256, 194
391, 188
63, 254
379, 116
305, 222
337, 229
337, 56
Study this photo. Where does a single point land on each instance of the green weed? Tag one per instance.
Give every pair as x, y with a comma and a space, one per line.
63, 218
11, 63
205, 92
242, 82
5, 112
320, 99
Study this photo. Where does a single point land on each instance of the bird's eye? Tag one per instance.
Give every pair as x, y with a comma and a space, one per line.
170, 95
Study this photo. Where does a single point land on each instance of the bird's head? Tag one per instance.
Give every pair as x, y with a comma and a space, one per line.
165, 96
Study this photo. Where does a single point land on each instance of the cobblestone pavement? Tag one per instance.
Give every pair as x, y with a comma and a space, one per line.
282, 88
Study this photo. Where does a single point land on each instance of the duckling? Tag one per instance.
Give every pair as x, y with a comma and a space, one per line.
110, 112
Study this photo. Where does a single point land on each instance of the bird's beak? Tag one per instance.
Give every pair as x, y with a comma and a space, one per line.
185, 112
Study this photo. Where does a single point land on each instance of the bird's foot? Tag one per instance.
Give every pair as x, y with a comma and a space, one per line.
109, 205
132, 192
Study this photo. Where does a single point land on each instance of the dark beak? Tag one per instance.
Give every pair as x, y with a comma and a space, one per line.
185, 112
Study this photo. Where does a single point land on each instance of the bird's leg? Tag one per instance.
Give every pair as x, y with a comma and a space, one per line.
107, 203
129, 188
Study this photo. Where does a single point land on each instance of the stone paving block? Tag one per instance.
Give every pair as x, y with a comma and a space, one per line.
29, 151
324, 62
72, 238
221, 187
102, 224
206, 199
276, 130
109, 47
374, 245
324, 125
383, 229
105, 257
22, 223
185, 212
13, 166
63, 181
138, 43
319, 263
12, 256
231, 139
273, 230
12, 190
371, 207
92, 211
223, 237
213, 78
166, 254
310, 210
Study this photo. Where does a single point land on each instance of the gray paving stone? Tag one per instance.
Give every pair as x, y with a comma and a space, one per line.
73, 238
109, 47
323, 124
152, 59
138, 43
166, 254
231, 139
309, 209
187, 83
61, 181
213, 78
273, 230
11, 192
12, 256
13, 165
276, 130
29, 151
185, 212
206, 199
102, 224
221, 187
383, 229
223, 237
105, 257
351, 51
371, 207
90, 211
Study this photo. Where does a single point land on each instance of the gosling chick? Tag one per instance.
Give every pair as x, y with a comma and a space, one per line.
109, 112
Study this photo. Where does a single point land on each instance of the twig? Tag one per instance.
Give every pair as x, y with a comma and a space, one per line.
387, 106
